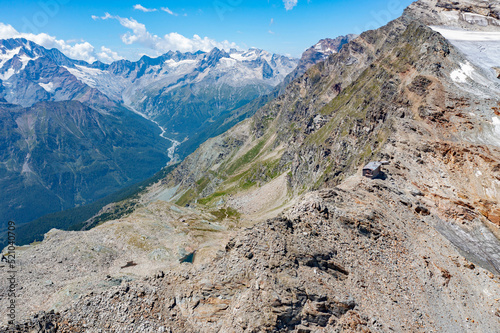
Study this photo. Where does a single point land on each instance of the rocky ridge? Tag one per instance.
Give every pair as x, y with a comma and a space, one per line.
365, 257
317, 53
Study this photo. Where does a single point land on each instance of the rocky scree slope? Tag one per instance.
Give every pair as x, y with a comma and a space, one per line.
359, 258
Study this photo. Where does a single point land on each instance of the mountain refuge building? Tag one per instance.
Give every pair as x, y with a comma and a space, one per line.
372, 169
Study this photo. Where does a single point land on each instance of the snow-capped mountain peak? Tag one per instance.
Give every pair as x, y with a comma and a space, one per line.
47, 73
15, 55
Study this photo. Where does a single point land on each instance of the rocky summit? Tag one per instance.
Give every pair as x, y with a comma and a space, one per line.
272, 227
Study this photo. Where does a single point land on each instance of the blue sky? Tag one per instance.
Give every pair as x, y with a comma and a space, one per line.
109, 30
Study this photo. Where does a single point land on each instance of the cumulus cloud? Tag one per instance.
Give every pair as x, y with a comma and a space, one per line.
289, 4
144, 9
167, 10
78, 50
173, 41
108, 56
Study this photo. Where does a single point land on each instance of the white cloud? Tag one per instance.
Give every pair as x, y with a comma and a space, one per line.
172, 41
108, 56
8, 31
289, 4
272, 21
144, 9
78, 50
105, 17
167, 10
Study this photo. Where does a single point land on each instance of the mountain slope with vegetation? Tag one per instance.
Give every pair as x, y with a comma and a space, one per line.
58, 155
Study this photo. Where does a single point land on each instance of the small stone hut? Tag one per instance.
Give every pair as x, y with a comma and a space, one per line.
372, 169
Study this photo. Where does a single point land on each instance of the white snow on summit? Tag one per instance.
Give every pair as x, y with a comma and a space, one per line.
9, 54
320, 47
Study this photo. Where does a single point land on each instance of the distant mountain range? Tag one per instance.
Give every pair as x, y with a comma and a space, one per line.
74, 132
183, 92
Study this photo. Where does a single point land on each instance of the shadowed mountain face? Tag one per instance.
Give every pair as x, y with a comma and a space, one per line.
56, 155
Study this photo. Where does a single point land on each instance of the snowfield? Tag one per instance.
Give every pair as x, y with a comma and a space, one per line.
467, 35
482, 50
7, 54
461, 75
478, 75
49, 87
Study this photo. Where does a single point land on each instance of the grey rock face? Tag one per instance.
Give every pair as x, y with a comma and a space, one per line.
466, 14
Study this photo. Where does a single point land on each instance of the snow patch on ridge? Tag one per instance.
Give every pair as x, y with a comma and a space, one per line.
5, 76
25, 59
9, 54
467, 35
49, 87
227, 62
482, 50
491, 133
461, 75
172, 63
496, 124
85, 74
320, 47
107, 83
250, 55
